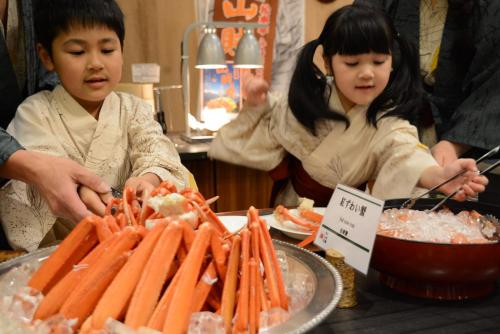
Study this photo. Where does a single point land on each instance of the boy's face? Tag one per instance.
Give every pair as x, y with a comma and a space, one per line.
88, 62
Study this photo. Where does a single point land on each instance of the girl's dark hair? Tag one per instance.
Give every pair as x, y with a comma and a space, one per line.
55, 16
354, 30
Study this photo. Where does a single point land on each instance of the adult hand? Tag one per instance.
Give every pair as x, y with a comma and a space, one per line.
56, 178
255, 91
446, 152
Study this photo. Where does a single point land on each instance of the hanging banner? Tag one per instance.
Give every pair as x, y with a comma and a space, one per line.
255, 11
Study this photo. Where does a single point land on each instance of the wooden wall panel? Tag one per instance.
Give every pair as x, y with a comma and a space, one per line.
240, 187
154, 31
204, 174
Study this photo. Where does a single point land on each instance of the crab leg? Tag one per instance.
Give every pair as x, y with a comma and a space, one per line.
149, 288
253, 307
117, 295
177, 319
229, 290
128, 197
74, 247
311, 215
82, 308
242, 310
56, 297
284, 213
113, 225
219, 255
158, 317
203, 287
103, 230
85, 296
309, 239
272, 253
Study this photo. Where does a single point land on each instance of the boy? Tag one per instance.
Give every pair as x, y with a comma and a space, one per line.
112, 134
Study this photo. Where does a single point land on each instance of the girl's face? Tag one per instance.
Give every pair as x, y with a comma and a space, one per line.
360, 78
88, 62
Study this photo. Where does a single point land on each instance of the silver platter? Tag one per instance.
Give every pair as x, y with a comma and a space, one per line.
327, 285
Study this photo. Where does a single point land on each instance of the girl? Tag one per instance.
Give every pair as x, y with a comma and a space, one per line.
349, 126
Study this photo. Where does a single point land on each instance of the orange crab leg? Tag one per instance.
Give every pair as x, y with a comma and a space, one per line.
309, 239
85, 296
203, 287
253, 307
229, 290
117, 295
242, 310
149, 288
219, 255
274, 262
158, 317
285, 214
311, 215
80, 305
177, 319
56, 297
73, 248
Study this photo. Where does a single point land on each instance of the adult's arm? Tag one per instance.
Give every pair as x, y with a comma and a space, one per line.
57, 179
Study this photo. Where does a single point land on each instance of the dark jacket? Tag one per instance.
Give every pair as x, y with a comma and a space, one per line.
465, 100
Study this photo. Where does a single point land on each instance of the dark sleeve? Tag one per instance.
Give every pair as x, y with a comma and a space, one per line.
476, 121
10, 97
371, 3
8, 145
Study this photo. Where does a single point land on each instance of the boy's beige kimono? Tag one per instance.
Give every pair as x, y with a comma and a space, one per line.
125, 141
390, 155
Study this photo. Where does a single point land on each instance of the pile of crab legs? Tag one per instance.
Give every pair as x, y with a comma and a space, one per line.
156, 277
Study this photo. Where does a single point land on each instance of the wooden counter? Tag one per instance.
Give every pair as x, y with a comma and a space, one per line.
238, 187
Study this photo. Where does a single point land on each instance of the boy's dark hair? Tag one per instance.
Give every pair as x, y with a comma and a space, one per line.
55, 16
354, 30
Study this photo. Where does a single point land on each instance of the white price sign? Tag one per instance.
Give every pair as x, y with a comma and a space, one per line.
350, 225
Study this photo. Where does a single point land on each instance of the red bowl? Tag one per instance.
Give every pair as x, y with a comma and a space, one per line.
436, 270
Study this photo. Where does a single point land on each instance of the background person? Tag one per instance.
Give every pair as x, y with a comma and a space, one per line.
459, 44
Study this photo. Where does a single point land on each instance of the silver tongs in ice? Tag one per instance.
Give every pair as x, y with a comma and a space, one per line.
409, 203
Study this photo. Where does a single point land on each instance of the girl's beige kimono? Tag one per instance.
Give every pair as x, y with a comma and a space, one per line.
390, 155
125, 141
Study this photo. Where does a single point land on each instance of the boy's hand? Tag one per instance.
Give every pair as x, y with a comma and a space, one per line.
140, 184
470, 183
255, 91
95, 202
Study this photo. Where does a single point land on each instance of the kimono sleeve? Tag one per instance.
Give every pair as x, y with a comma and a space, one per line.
248, 140
151, 151
401, 160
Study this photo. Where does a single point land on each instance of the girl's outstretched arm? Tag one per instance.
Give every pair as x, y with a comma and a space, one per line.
471, 183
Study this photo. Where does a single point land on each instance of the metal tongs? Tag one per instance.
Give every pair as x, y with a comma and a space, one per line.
409, 203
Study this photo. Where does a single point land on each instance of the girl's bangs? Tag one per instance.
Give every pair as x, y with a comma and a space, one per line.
362, 35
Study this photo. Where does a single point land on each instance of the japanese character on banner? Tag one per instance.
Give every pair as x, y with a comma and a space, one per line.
230, 11
229, 38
